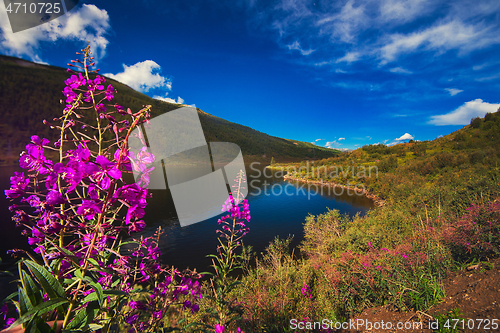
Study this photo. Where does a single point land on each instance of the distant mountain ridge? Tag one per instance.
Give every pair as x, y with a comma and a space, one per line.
30, 93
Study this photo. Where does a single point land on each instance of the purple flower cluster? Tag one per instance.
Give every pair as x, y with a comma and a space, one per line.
171, 287
75, 211
233, 228
306, 291
235, 213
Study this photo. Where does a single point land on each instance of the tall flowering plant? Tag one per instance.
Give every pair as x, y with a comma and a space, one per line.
75, 212
232, 229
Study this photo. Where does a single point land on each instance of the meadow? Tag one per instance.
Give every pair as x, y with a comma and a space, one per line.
441, 212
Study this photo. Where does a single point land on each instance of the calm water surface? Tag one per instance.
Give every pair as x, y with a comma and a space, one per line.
278, 208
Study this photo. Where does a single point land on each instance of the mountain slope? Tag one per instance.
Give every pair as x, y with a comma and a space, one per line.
30, 93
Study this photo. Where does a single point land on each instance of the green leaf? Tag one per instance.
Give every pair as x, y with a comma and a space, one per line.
84, 317
212, 256
128, 242
40, 310
95, 327
24, 301
98, 289
93, 296
93, 262
31, 289
49, 283
78, 274
14, 294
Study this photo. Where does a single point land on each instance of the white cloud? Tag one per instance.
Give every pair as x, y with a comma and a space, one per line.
381, 30
401, 11
333, 144
345, 25
441, 38
296, 46
400, 70
406, 136
171, 100
488, 78
87, 23
340, 139
318, 140
453, 91
349, 57
142, 76
463, 114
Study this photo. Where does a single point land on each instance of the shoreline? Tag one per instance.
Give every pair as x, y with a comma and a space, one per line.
379, 202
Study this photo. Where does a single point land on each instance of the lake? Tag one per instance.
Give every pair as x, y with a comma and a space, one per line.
278, 208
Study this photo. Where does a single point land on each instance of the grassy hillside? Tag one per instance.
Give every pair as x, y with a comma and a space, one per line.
442, 213
30, 93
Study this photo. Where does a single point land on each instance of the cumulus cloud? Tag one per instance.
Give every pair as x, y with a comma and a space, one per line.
331, 144
463, 114
170, 100
406, 136
142, 76
453, 91
296, 46
87, 23
334, 143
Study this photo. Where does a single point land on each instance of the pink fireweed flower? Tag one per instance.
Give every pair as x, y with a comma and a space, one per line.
125, 161
100, 173
34, 159
109, 92
55, 198
142, 159
136, 226
219, 328
89, 208
18, 185
133, 213
75, 81
306, 291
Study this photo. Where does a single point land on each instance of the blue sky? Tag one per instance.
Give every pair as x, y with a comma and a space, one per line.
337, 73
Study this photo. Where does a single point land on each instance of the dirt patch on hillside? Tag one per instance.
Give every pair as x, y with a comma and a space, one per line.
475, 291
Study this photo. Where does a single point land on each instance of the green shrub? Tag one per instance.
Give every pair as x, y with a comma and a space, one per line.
476, 122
